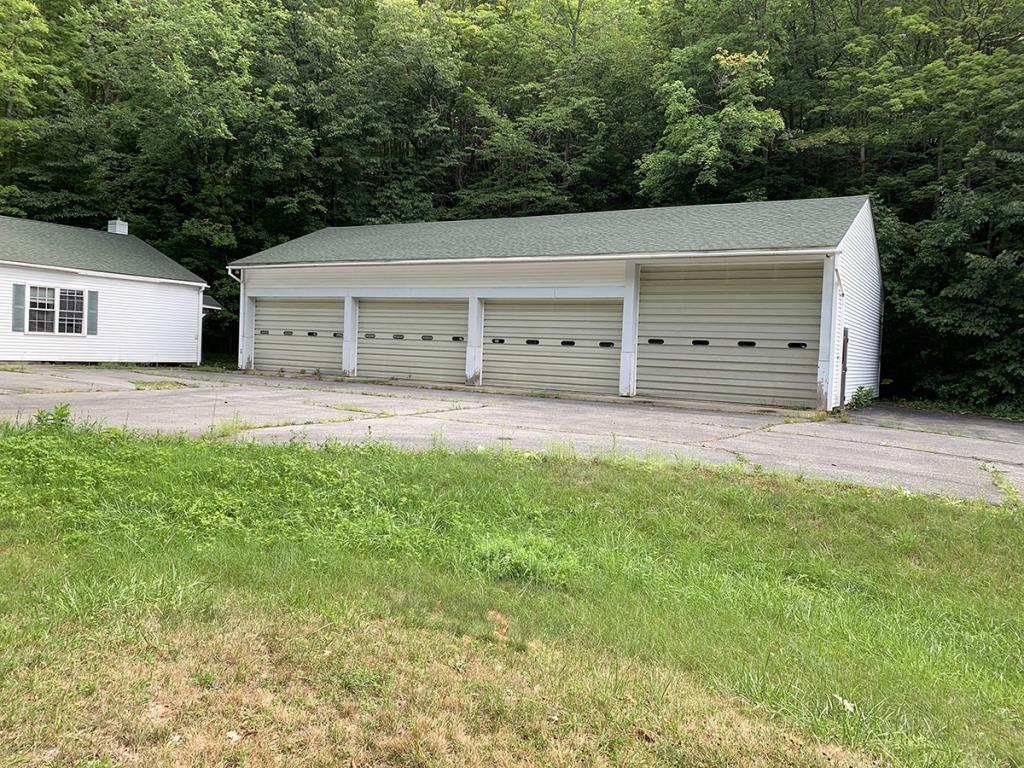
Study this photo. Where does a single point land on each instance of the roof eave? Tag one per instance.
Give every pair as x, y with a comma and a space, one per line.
101, 273
803, 251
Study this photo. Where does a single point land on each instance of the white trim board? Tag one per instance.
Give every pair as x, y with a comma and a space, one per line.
496, 292
97, 273
826, 334
789, 254
630, 322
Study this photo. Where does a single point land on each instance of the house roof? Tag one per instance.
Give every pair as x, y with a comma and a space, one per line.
58, 245
776, 225
211, 303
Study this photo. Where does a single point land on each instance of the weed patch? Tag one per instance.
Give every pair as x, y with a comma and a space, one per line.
527, 558
168, 384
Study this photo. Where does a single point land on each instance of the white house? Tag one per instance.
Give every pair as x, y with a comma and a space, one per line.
767, 302
69, 294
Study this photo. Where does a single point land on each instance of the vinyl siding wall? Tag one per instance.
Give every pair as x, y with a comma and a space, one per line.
570, 274
860, 308
138, 321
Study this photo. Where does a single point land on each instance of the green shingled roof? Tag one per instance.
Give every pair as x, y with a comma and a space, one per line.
783, 224
58, 245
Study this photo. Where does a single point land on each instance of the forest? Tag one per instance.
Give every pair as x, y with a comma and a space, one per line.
220, 127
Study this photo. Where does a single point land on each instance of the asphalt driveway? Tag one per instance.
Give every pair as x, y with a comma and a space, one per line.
969, 457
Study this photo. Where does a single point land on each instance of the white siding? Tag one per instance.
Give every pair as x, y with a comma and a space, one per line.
860, 279
473, 276
138, 321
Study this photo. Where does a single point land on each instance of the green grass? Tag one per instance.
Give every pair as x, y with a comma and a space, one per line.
659, 613
1010, 411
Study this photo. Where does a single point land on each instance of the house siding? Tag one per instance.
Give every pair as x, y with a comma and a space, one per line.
455, 276
860, 307
138, 321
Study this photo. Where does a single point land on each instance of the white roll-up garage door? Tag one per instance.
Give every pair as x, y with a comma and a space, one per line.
558, 345
303, 335
746, 334
417, 340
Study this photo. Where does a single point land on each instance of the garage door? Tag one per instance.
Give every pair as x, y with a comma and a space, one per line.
420, 340
562, 345
741, 334
298, 335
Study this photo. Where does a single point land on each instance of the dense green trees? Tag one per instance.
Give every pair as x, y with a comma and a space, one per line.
219, 127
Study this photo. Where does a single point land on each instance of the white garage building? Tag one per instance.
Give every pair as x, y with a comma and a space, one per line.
768, 303
69, 294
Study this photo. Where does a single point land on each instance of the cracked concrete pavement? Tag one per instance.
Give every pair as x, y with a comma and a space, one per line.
881, 446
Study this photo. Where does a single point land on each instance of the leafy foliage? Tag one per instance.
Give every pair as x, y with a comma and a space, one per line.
711, 141
862, 398
221, 127
58, 419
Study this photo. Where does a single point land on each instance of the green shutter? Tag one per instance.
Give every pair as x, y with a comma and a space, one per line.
18, 308
92, 313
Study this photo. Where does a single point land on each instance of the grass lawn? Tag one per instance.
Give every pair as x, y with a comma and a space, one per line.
167, 601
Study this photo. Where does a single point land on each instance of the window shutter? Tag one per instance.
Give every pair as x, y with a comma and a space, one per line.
18, 308
92, 313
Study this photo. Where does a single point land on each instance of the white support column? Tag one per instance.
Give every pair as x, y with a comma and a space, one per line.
199, 331
350, 341
630, 319
246, 326
827, 334
475, 342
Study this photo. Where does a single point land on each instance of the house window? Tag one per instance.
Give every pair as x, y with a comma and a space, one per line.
72, 311
55, 310
41, 310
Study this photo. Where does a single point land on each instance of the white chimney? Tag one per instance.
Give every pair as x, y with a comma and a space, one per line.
117, 227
